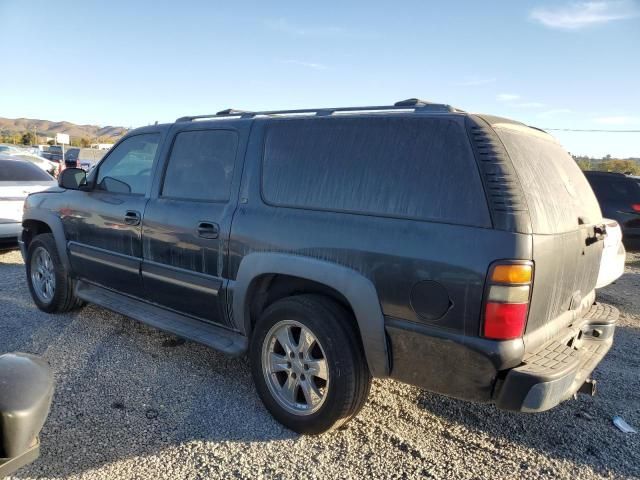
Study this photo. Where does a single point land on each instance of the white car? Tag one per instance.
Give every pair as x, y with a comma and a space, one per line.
18, 178
46, 165
613, 255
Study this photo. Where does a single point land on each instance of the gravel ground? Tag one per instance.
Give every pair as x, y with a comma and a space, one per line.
133, 402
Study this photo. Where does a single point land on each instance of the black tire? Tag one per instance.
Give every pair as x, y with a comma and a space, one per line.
63, 298
349, 378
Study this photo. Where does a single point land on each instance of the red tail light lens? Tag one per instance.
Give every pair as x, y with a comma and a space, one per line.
636, 207
507, 300
504, 321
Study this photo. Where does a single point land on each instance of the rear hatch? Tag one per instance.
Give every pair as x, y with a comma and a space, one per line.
566, 225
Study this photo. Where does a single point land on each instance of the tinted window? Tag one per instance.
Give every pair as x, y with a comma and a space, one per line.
201, 165
406, 167
17, 171
612, 188
555, 189
128, 167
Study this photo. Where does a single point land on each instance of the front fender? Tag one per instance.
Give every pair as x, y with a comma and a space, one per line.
356, 288
55, 224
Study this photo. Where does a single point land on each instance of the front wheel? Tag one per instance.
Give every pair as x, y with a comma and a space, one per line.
49, 283
308, 364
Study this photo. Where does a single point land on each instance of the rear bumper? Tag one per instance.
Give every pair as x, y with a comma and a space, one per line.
560, 367
479, 370
9, 234
10, 231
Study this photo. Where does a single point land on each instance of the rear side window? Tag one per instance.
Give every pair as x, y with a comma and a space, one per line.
17, 171
420, 168
555, 189
201, 165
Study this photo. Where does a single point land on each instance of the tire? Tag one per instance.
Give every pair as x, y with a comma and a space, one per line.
312, 404
42, 256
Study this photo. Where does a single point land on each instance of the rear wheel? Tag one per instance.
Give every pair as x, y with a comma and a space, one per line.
49, 283
308, 364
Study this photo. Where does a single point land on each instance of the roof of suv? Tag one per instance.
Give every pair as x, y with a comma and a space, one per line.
609, 174
409, 105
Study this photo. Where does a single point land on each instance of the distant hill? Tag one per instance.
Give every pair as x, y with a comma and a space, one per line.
47, 128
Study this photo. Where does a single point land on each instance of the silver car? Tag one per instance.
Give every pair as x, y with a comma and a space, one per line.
18, 178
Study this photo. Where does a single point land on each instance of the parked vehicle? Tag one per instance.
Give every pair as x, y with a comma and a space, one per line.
47, 165
452, 251
10, 150
54, 153
18, 178
40, 149
25, 399
619, 197
85, 158
614, 255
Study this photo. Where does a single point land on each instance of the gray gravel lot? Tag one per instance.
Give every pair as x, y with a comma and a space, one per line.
133, 402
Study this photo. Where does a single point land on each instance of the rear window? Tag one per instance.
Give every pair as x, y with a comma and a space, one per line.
17, 171
420, 168
555, 189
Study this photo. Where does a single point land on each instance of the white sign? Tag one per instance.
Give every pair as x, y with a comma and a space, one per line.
62, 138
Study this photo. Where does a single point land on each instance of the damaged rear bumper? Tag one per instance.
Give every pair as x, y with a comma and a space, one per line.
560, 367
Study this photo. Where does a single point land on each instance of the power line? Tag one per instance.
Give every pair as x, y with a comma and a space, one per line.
591, 130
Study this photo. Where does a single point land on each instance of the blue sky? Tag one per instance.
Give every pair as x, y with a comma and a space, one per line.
550, 64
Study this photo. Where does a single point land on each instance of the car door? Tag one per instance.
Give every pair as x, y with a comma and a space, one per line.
187, 221
103, 224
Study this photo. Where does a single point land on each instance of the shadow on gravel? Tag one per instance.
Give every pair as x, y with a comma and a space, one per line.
140, 392
579, 431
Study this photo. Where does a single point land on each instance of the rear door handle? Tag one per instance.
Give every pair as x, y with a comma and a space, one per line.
208, 230
132, 217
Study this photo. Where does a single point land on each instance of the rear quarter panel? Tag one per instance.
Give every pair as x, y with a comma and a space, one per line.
393, 253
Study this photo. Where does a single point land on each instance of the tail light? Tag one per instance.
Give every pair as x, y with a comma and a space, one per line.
507, 300
636, 207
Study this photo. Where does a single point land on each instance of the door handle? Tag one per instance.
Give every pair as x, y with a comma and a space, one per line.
208, 230
132, 217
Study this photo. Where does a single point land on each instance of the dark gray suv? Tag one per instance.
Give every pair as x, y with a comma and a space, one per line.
452, 251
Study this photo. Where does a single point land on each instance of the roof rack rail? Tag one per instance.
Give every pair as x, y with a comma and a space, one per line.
411, 104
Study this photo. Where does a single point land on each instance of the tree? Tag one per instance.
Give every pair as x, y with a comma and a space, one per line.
584, 163
85, 142
620, 166
28, 138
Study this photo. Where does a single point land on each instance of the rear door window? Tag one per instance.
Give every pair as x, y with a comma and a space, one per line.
201, 165
408, 167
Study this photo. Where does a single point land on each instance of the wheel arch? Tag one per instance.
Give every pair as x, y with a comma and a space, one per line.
345, 285
34, 223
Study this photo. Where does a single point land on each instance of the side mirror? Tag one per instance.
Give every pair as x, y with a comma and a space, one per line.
26, 389
72, 178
